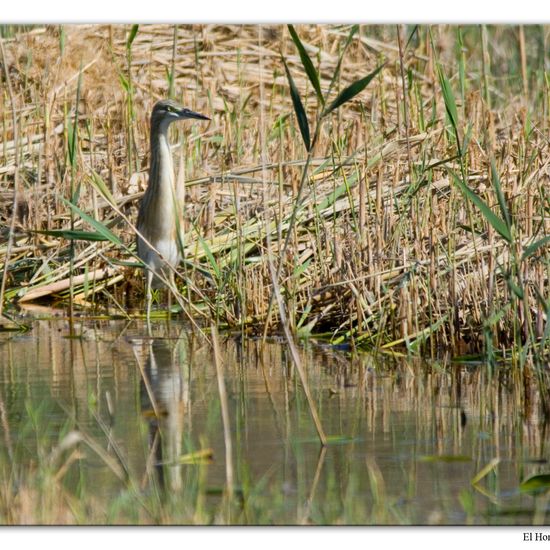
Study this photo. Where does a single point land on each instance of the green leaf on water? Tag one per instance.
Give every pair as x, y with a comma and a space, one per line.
298, 108
497, 223
8, 325
219, 491
469, 359
489, 467
351, 91
202, 456
331, 439
535, 484
340, 439
308, 65
445, 458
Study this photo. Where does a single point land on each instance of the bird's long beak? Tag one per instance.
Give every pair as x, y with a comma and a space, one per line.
187, 113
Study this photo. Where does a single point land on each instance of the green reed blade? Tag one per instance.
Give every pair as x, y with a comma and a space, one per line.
497, 223
500, 195
298, 108
351, 91
73, 234
308, 64
131, 36
101, 228
532, 248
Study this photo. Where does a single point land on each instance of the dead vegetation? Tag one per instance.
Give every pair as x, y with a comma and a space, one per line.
386, 249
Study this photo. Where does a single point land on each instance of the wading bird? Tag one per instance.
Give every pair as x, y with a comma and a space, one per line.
158, 222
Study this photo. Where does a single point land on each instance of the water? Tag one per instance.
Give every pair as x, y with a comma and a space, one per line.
104, 428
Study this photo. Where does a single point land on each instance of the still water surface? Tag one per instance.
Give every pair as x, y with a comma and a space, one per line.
142, 418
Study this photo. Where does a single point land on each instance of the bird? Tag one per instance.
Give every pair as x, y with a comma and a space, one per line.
158, 223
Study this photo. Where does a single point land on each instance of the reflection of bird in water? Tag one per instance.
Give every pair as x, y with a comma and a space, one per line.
164, 399
159, 216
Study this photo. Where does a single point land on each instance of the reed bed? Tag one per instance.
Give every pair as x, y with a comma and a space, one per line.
414, 216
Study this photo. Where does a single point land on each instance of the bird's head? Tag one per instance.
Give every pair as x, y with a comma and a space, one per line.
168, 110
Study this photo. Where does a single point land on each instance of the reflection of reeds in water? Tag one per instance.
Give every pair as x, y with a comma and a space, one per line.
414, 435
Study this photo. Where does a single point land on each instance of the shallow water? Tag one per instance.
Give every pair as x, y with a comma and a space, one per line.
409, 436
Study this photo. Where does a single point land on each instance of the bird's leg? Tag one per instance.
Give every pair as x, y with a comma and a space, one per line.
171, 288
149, 297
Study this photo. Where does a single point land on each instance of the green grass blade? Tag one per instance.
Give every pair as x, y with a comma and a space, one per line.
124, 82
461, 67
73, 234
351, 34
351, 91
500, 196
99, 184
497, 316
62, 39
467, 138
308, 64
518, 291
411, 36
97, 225
210, 256
71, 141
497, 223
450, 102
131, 36
298, 108
532, 248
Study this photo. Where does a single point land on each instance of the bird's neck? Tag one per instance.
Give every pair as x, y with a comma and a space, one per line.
162, 169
